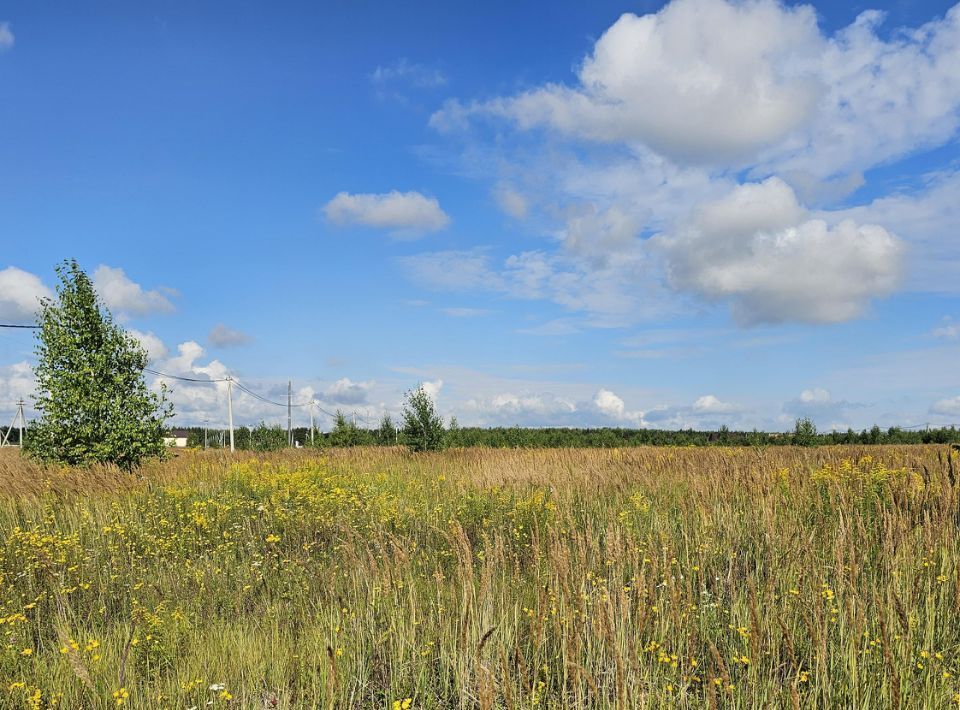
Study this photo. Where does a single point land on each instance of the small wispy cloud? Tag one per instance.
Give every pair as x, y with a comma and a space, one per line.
465, 312
7, 39
223, 337
403, 70
947, 331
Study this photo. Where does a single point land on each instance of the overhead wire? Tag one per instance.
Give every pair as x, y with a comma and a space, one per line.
184, 379
241, 387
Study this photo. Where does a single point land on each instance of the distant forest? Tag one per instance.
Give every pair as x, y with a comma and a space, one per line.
265, 438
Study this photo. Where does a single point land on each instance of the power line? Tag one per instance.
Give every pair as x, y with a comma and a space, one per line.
178, 377
321, 409
269, 401
257, 396
239, 386
11, 325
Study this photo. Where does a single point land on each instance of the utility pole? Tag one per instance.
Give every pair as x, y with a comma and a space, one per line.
205, 434
18, 417
230, 409
311, 422
20, 414
289, 413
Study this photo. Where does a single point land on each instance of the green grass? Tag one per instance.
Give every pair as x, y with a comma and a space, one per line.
478, 578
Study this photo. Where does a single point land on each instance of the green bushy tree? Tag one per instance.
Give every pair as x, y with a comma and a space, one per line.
422, 426
804, 432
387, 433
93, 402
345, 432
453, 437
268, 438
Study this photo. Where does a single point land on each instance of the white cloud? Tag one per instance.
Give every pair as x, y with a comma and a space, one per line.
432, 388
610, 404
754, 83
927, 217
525, 409
155, 347
949, 331
598, 234
407, 213
709, 404
512, 202
540, 409
20, 294
817, 395
884, 98
615, 291
948, 407
346, 391
119, 293
674, 108
223, 337
757, 249
819, 405
16, 382
417, 75
701, 80
452, 270
7, 39
614, 408
195, 402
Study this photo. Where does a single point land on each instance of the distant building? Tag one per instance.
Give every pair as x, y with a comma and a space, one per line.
177, 439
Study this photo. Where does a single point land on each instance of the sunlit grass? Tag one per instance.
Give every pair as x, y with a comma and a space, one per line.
477, 578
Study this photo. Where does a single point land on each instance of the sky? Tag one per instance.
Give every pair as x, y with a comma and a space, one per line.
637, 214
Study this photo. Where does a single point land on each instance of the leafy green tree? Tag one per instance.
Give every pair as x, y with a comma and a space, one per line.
268, 438
345, 432
387, 432
422, 426
93, 402
453, 437
804, 432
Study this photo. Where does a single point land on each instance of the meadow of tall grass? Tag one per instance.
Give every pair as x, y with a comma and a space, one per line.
640, 578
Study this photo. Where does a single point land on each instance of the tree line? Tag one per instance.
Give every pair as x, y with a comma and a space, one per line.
94, 405
344, 434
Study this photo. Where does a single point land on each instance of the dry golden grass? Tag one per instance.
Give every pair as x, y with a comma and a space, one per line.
734, 578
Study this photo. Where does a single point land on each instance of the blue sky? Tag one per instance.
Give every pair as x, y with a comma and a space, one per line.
628, 214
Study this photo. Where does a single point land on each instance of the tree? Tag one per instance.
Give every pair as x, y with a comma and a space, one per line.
804, 432
422, 426
93, 402
387, 433
345, 432
268, 438
453, 437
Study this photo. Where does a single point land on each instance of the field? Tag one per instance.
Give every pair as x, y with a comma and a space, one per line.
671, 577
